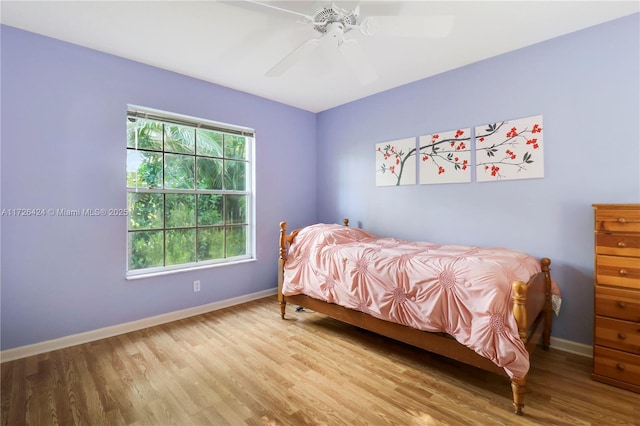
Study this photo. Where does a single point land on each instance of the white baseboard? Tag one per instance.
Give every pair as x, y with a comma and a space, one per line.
102, 333
572, 347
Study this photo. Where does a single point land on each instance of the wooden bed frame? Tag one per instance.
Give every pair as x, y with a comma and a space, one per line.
531, 309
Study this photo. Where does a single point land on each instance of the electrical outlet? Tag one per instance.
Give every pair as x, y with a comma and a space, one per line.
196, 286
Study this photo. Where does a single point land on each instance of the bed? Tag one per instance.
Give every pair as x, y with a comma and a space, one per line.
486, 307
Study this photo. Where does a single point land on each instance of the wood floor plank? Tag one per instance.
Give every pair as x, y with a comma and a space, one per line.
243, 365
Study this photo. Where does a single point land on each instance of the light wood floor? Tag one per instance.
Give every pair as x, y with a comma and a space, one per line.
244, 365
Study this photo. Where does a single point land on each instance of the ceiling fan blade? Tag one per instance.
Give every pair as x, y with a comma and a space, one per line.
408, 26
294, 56
358, 62
270, 6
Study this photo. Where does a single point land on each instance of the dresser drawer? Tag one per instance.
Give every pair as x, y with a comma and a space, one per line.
618, 244
618, 303
618, 271
616, 365
617, 334
617, 220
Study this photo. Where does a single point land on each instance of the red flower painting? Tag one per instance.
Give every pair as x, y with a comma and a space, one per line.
510, 150
445, 157
393, 162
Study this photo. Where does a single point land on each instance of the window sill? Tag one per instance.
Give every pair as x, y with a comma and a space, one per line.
189, 269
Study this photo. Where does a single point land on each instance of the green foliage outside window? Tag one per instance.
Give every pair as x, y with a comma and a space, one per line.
188, 194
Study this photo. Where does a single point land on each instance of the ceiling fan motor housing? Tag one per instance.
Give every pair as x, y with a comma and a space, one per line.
334, 14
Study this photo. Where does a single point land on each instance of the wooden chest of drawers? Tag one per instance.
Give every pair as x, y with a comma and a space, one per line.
616, 346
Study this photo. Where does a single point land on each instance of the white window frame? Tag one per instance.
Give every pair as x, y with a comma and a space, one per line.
134, 111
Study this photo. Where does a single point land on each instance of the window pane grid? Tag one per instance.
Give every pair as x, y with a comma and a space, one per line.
189, 196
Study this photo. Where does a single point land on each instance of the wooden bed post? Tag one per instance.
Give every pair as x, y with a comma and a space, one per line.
520, 289
518, 387
546, 333
281, 260
519, 307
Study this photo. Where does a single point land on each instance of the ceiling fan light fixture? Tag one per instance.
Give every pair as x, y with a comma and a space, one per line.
370, 26
335, 31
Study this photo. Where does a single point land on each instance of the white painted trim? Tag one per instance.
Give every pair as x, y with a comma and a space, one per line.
572, 347
181, 268
102, 333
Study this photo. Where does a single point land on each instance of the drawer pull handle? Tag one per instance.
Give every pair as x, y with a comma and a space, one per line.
621, 244
620, 366
622, 220
622, 336
623, 272
621, 305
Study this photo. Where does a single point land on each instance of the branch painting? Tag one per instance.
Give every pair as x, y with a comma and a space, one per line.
445, 157
393, 162
510, 150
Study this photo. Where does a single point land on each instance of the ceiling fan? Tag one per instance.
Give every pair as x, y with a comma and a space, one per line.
332, 23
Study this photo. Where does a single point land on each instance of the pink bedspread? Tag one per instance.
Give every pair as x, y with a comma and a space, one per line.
461, 290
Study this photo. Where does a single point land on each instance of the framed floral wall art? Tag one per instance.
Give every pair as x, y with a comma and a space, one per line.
445, 157
396, 162
510, 150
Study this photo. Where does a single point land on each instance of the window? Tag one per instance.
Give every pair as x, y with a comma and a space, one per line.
189, 192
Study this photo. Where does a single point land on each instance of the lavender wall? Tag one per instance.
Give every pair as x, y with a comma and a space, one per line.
586, 86
62, 137
63, 146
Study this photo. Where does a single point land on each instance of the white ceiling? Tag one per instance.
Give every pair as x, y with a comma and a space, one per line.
233, 43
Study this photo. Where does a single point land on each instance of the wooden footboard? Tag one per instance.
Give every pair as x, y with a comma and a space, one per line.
531, 309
